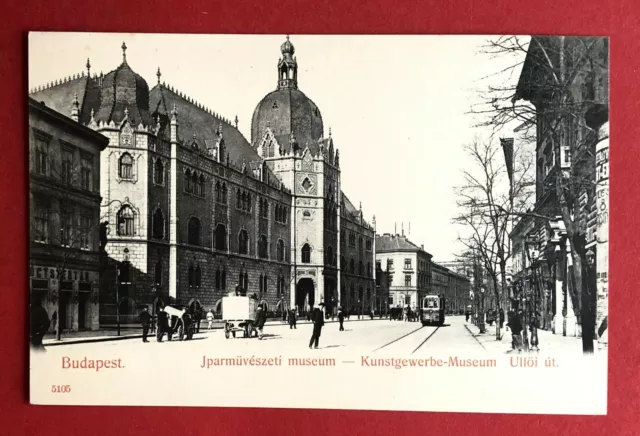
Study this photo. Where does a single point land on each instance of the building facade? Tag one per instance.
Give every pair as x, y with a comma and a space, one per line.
64, 202
192, 208
570, 133
453, 286
408, 267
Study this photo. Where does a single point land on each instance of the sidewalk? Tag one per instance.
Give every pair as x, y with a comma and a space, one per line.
136, 333
549, 344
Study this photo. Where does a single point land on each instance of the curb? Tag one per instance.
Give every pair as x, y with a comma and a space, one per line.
202, 331
474, 337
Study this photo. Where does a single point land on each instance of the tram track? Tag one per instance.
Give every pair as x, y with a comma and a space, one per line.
407, 335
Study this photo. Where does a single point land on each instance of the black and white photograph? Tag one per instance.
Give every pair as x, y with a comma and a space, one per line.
367, 222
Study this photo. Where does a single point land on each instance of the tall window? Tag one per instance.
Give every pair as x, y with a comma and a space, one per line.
86, 173
158, 172
265, 284
221, 278
218, 190
407, 263
125, 220
352, 267
243, 242
265, 209
261, 284
368, 269
41, 222
263, 247
221, 237
67, 166
193, 237
361, 268
280, 250
42, 156
125, 168
188, 188
192, 276
238, 199
66, 226
243, 280
198, 276
86, 228
306, 253
195, 184
407, 279
158, 273
201, 191
369, 244
224, 193
360, 244
158, 224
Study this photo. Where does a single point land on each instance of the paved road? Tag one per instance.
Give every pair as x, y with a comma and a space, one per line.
379, 336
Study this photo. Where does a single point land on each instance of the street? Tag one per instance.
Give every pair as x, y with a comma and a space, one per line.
359, 337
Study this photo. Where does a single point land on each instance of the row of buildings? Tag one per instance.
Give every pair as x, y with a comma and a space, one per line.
562, 233
144, 197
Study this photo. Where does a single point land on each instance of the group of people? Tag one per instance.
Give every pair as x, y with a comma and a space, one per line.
403, 314
164, 324
515, 325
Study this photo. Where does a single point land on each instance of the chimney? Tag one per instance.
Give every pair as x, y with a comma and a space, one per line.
422, 247
403, 228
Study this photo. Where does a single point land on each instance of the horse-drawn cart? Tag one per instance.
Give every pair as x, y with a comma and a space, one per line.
180, 323
239, 314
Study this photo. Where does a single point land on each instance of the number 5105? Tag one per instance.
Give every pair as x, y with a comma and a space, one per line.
61, 389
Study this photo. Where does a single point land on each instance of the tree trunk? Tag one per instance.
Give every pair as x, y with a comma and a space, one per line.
587, 318
58, 332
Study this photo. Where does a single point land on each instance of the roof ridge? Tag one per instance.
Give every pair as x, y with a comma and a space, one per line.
198, 105
57, 82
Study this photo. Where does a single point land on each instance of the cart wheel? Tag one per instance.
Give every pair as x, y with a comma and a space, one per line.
181, 333
234, 334
226, 334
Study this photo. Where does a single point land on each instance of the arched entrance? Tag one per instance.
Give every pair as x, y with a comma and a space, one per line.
305, 294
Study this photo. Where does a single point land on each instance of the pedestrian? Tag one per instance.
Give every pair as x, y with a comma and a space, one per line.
145, 319
292, 318
39, 325
163, 325
341, 319
261, 318
515, 324
501, 317
318, 321
209, 319
533, 328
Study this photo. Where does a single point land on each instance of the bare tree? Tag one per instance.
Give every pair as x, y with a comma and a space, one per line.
562, 80
492, 197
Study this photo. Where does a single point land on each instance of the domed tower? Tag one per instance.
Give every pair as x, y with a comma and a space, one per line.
287, 110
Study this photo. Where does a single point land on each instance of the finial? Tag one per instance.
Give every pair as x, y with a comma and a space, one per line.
220, 130
92, 115
194, 136
124, 51
287, 37
360, 205
126, 112
88, 67
236, 121
329, 132
159, 74
174, 111
75, 111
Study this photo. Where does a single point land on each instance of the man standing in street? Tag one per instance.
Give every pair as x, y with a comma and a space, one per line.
39, 325
292, 318
341, 318
209, 319
163, 325
261, 318
317, 318
145, 319
515, 324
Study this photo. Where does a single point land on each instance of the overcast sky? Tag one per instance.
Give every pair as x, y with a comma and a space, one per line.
396, 105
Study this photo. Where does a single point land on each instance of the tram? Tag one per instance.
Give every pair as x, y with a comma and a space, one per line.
432, 310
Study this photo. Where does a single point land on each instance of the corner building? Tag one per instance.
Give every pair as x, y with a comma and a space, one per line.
191, 208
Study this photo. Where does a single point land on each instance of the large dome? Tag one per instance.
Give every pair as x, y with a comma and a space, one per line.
124, 91
288, 111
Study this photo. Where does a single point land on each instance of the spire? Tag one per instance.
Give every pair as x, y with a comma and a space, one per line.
124, 52
158, 75
287, 67
174, 114
88, 65
75, 108
329, 132
126, 112
236, 121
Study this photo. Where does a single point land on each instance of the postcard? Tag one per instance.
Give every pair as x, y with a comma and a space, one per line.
412, 223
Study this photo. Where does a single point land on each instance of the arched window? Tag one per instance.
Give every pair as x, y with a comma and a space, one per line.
125, 219
198, 277
125, 167
360, 246
282, 285
158, 273
369, 269
261, 283
158, 224
238, 199
218, 193
221, 237
201, 186
280, 250
343, 263
263, 246
265, 285
243, 242
330, 255
306, 253
218, 279
187, 182
195, 187
361, 268
224, 193
244, 202
248, 203
246, 281
352, 268
193, 237
223, 279
158, 172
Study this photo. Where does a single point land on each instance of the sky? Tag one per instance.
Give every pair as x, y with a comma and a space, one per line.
397, 106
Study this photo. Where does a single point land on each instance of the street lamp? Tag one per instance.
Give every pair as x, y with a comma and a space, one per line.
591, 257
